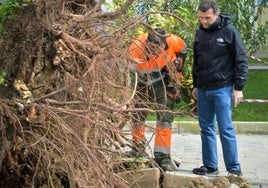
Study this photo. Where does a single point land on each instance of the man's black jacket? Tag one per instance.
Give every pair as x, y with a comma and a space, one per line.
219, 56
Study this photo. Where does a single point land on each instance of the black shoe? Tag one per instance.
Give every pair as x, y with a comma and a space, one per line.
235, 172
204, 170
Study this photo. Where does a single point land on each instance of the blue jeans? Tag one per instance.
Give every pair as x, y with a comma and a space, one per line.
216, 105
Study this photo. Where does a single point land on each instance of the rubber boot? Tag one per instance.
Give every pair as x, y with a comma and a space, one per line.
165, 162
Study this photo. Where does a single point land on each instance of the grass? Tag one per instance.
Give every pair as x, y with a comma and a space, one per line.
256, 88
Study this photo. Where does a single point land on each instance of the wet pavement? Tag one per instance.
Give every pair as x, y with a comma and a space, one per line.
252, 151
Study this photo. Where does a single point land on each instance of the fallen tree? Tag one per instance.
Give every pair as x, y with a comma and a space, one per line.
63, 100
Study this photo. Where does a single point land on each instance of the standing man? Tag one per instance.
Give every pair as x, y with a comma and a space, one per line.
157, 58
219, 74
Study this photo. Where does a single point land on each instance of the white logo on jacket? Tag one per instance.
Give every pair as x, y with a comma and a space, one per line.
220, 40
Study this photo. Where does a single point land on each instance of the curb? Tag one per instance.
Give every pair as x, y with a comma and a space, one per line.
151, 177
240, 127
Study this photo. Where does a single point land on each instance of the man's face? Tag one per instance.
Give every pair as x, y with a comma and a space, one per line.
207, 18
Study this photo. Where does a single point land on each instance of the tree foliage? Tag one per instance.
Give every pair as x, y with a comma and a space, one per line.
183, 21
246, 14
8, 7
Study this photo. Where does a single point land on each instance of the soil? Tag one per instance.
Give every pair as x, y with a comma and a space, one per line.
58, 122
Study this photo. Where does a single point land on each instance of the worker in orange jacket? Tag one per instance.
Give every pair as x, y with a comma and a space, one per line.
154, 57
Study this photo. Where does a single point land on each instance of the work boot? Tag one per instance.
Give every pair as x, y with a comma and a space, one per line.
165, 162
134, 153
138, 150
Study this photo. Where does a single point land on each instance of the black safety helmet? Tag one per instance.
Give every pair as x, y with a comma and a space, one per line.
157, 36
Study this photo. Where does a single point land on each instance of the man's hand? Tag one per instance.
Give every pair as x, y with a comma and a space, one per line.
194, 93
237, 97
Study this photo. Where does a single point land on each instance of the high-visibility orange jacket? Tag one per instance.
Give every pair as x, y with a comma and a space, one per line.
145, 65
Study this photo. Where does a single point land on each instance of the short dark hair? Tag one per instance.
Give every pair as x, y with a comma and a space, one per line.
208, 4
157, 36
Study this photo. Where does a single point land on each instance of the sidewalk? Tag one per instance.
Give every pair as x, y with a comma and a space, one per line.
253, 155
261, 67
252, 139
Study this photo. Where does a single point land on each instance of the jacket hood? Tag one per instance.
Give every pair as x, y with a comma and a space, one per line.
222, 21
225, 19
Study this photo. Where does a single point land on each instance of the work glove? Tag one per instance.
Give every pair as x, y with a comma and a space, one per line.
175, 95
178, 65
179, 61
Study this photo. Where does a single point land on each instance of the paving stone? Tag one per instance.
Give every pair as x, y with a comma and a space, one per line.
142, 178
